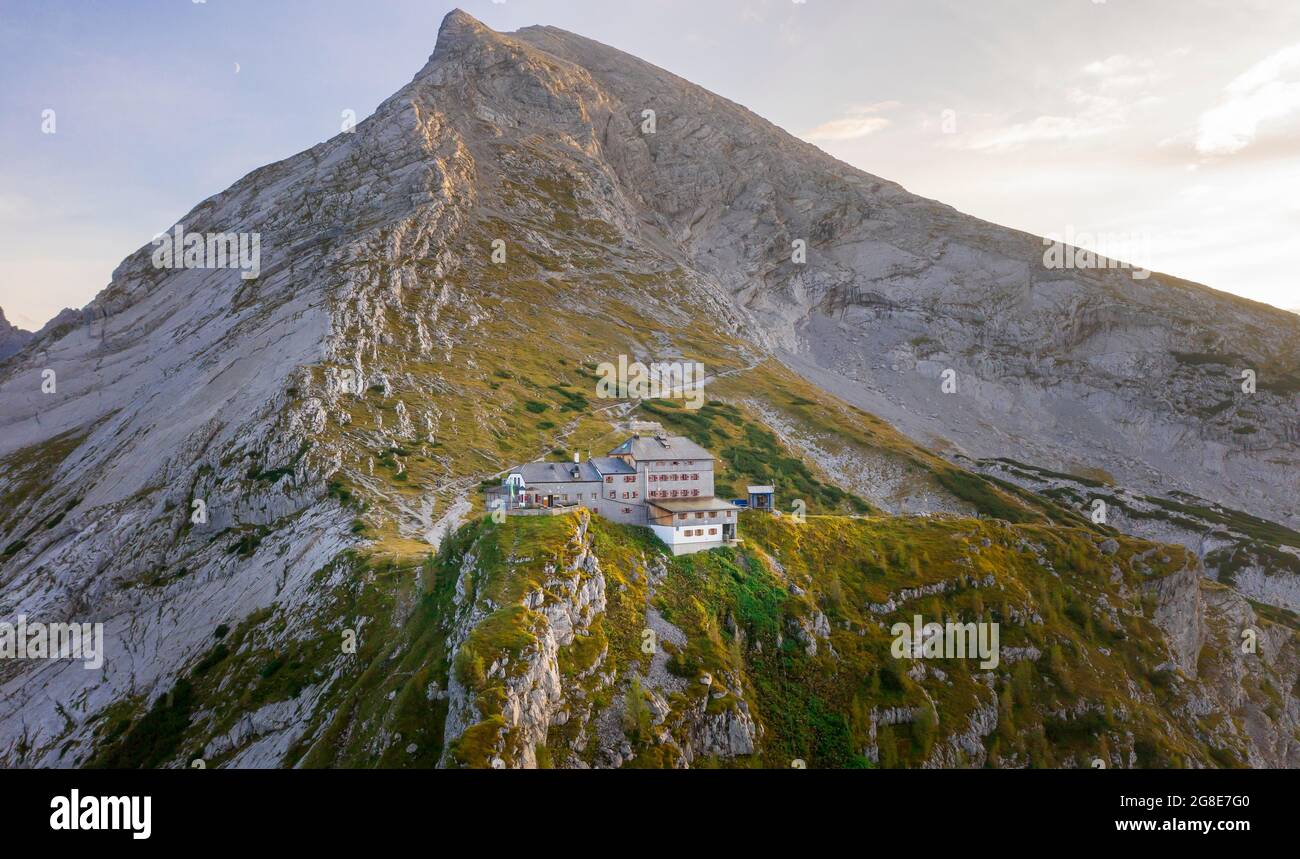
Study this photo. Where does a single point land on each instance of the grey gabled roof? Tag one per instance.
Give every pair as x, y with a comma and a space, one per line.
661, 448
611, 465
556, 472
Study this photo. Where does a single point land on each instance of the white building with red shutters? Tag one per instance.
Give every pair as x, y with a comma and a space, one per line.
662, 482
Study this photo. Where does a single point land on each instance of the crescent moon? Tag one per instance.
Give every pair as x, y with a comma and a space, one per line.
236, 68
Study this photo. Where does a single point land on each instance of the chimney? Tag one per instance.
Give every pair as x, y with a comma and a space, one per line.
575, 458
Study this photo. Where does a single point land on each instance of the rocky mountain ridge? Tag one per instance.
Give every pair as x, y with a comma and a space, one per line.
12, 338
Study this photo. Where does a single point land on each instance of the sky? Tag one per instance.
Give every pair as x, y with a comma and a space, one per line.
1164, 131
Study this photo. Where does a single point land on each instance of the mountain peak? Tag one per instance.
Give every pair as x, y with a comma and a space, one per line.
460, 37
459, 30
459, 24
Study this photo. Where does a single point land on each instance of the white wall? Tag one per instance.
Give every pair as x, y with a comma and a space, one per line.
676, 538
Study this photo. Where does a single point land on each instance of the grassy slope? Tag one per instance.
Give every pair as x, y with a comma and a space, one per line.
821, 703
1093, 691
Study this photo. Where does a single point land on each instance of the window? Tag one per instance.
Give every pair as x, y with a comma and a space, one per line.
609, 478
627, 509
699, 515
681, 515
695, 477
633, 494
695, 492
713, 531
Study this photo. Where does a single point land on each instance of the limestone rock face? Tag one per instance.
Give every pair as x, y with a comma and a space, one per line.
538, 696
1216, 638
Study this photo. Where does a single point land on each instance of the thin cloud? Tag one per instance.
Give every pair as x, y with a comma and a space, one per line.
1094, 116
861, 121
1098, 102
1268, 90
